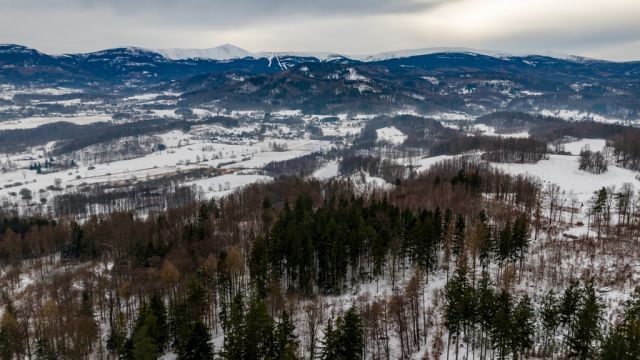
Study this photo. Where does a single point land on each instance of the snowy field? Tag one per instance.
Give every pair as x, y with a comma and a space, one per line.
575, 115
183, 152
220, 186
33, 122
575, 147
327, 171
391, 134
563, 170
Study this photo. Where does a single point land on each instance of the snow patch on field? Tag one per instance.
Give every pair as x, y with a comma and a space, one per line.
451, 116
220, 186
164, 113
264, 155
531, 93
575, 147
391, 134
425, 164
364, 88
576, 115
287, 112
328, 171
431, 79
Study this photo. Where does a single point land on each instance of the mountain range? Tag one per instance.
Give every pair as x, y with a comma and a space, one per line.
422, 80
24, 65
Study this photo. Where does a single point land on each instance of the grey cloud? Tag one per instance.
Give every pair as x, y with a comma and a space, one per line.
346, 26
218, 13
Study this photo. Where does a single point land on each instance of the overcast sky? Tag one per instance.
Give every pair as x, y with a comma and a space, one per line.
595, 28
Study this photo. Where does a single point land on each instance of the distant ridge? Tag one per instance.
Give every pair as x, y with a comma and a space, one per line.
231, 52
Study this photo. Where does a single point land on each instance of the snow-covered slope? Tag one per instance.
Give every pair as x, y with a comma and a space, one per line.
391, 134
231, 52
223, 52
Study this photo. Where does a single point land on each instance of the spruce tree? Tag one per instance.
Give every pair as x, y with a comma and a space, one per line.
330, 343
143, 345
455, 294
44, 349
520, 236
549, 318
598, 208
487, 245
523, 327
233, 326
198, 344
623, 341
258, 332
259, 265
502, 327
569, 304
346, 340
505, 243
586, 327
615, 347
486, 306
143, 339
458, 239
161, 331
286, 343
352, 332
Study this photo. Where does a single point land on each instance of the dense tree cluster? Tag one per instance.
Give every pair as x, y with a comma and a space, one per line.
342, 240
301, 166
593, 161
374, 166
626, 147
513, 150
493, 320
496, 149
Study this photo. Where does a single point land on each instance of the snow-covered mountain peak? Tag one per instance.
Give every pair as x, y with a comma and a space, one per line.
223, 52
387, 55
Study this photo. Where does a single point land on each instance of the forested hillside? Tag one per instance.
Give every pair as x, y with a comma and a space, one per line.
461, 261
